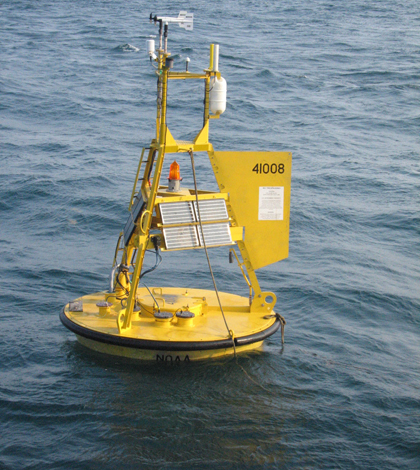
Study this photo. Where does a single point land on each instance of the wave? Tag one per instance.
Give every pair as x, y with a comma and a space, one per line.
126, 48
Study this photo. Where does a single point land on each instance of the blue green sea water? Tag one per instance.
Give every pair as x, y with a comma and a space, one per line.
335, 83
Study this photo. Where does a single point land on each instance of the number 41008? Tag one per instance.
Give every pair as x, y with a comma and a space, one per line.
267, 168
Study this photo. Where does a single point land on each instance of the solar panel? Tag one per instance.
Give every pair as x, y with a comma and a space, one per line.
177, 212
135, 212
180, 237
189, 235
214, 209
215, 234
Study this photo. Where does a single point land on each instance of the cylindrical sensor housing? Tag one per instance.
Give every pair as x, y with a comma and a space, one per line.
150, 46
217, 95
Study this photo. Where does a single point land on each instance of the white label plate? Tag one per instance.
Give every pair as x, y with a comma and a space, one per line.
271, 203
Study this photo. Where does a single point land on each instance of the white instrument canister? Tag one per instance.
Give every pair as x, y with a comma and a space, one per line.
217, 95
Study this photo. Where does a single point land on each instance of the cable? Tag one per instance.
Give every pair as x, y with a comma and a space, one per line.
127, 291
230, 332
158, 259
214, 281
153, 297
123, 269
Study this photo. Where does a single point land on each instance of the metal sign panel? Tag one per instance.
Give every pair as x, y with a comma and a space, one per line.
258, 184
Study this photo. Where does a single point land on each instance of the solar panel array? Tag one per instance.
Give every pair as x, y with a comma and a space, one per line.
183, 235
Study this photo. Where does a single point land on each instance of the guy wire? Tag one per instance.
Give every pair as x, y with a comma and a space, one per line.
214, 280
207, 254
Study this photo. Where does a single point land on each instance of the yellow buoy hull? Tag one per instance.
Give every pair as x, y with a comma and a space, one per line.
199, 334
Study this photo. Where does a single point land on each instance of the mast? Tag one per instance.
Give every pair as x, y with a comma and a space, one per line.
150, 205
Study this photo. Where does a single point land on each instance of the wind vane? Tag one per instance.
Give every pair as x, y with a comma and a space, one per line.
185, 20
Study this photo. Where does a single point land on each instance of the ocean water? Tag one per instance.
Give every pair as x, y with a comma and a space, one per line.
335, 83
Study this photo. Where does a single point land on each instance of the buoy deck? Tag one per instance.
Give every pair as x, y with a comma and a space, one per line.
204, 335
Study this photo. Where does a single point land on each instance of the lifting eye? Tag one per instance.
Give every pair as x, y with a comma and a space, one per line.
269, 299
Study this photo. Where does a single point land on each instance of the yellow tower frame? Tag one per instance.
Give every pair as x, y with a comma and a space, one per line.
266, 241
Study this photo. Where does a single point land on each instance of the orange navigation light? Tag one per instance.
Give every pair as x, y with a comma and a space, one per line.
174, 173
174, 180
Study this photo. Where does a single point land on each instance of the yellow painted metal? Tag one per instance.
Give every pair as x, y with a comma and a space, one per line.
146, 218
170, 142
190, 224
161, 299
185, 76
202, 138
241, 267
237, 233
149, 164
165, 356
262, 237
118, 249
249, 182
205, 195
208, 323
122, 288
248, 177
211, 56
136, 180
125, 322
